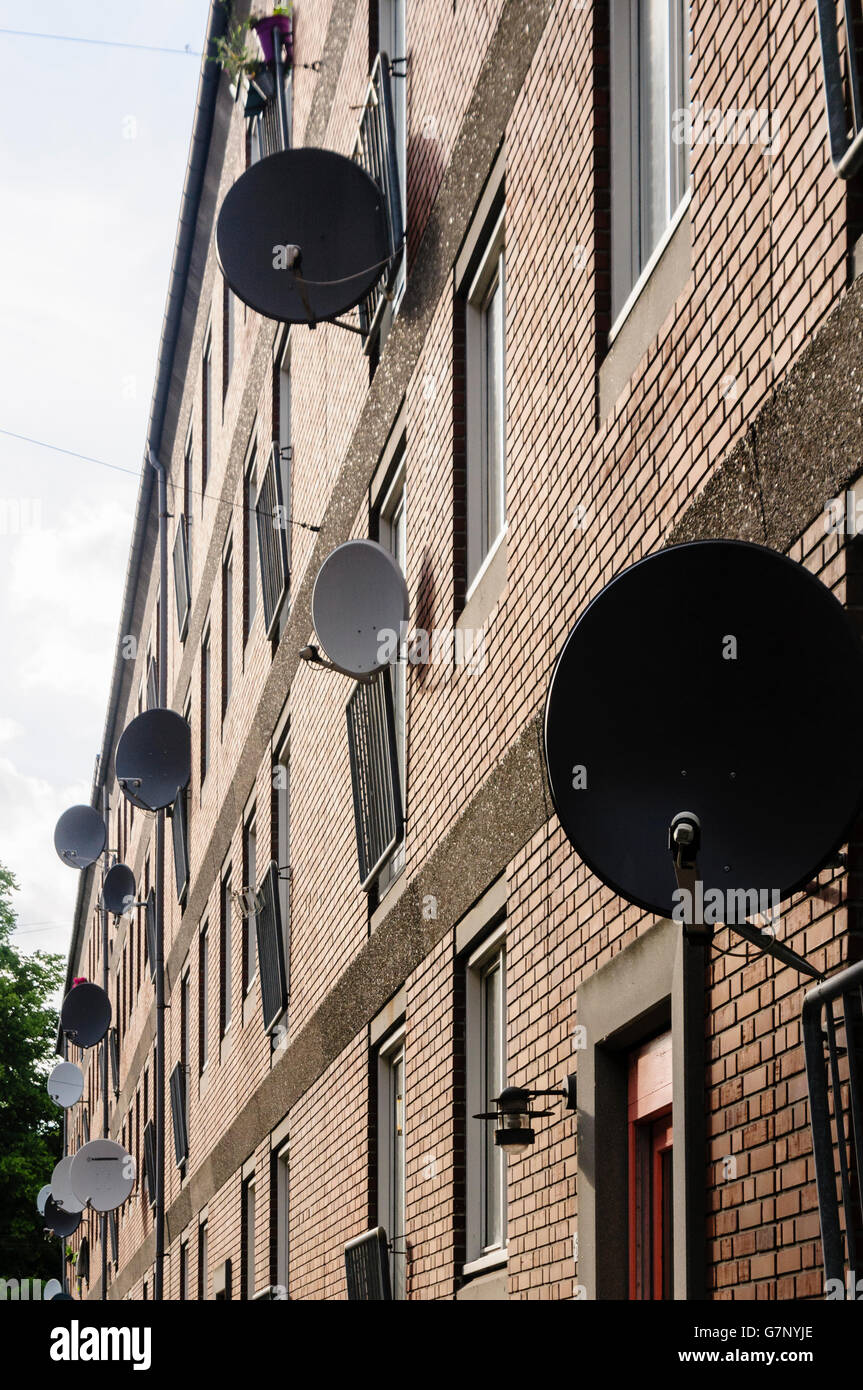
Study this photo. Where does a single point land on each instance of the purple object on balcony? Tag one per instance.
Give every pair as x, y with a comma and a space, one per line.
268, 29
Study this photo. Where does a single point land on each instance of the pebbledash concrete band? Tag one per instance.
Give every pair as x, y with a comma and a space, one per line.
481, 749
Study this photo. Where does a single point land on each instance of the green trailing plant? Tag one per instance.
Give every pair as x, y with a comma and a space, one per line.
232, 51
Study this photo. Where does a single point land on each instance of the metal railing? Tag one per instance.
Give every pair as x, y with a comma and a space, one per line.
840, 70
834, 1072
375, 150
378, 815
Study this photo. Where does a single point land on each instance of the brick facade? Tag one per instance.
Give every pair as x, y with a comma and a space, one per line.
588, 493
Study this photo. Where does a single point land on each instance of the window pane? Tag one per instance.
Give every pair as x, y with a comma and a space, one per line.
493, 1081
655, 140
251, 883
251, 546
397, 1215
493, 413
250, 1240
226, 954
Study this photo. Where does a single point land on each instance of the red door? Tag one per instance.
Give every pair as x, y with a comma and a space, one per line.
651, 1232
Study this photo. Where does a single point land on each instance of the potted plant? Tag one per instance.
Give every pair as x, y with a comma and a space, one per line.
276, 28
233, 54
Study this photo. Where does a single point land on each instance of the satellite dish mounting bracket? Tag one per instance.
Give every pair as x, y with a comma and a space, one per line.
684, 842
312, 655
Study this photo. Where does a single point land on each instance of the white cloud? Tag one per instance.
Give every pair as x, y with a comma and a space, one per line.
29, 810
63, 598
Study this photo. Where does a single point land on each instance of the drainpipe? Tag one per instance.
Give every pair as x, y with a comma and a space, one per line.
159, 1079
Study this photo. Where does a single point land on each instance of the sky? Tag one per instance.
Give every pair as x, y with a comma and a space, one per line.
93, 146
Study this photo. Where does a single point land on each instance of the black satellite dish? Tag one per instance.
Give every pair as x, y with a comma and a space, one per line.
79, 836
61, 1298
62, 1223
302, 235
710, 678
154, 758
86, 1014
119, 890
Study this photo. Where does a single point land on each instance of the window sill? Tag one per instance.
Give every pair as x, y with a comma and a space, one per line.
655, 257
204, 1080
647, 309
225, 1046
487, 588
249, 1003
493, 1259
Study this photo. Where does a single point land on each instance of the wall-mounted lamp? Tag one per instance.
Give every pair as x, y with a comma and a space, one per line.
514, 1114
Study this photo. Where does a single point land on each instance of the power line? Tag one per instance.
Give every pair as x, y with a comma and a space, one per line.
134, 473
187, 52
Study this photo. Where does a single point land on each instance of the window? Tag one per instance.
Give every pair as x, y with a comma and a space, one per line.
650, 1158
649, 166
202, 1261
282, 1208
204, 999
227, 627
393, 536
486, 1077
486, 406
188, 463
206, 411
184, 1270
391, 1154
227, 336
250, 881
206, 702
225, 955
250, 546
186, 1039
392, 41
285, 458
249, 1238
283, 849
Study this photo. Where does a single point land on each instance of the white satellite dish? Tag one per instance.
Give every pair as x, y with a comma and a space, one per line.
61, 1186
66, 1084
44, 1194
359, 605
103, 1174
51, 1289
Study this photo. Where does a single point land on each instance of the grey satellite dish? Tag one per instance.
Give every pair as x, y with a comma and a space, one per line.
51, 1289
86, 1014
359, 605
66, 1084
61, 1186
61, 1222
79, 836
303, 236
44, 1194
103, 1174
119, 890
154, 758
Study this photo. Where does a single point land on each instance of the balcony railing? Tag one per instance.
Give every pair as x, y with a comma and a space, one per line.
375, 149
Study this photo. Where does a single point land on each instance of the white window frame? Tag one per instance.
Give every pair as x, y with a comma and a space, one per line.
249, 1213
482, 1254
283, 1209
392, 40
632, 259
283, 845
394, 503
250, 823
481, 543
250, 547
390, 1052
286, 465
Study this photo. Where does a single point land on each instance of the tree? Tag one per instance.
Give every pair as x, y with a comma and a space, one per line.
30, 1123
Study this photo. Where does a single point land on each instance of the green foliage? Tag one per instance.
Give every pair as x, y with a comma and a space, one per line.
233, 52
30, 1124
